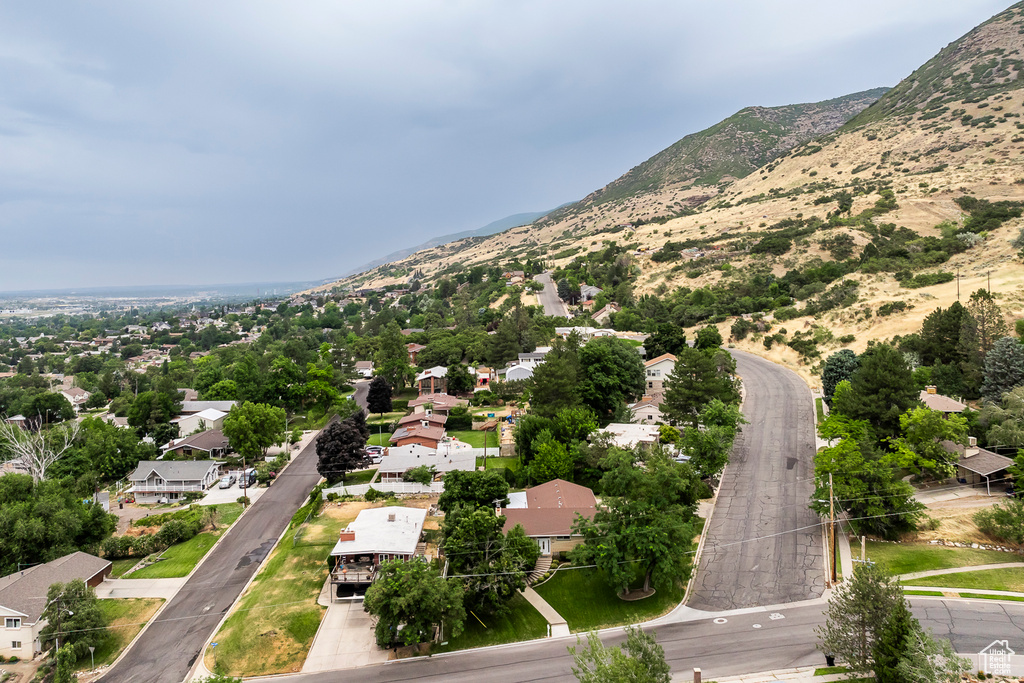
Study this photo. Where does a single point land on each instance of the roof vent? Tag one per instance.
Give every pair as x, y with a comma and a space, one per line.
391, 517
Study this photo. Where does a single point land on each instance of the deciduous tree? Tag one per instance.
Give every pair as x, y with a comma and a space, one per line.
73, 617
838, 367
411, 595
252, 428
340, 448
612, 375
638, 660
473, 489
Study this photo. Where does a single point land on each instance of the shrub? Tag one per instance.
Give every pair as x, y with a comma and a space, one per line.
892, 307
420, 475
244, 500
373, 495
847, 339
1005, 522
331, 497
117, 547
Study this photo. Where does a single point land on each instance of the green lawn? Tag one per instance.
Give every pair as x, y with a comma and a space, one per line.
588, 603
180, 559
119, 567
379, 439
523, 623
821, 412
375, 419
360, 477
930, 593
476, 439
125, 617
981, 596
494, 463
903, 558
985, 579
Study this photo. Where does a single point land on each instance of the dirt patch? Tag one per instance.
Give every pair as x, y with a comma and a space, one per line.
956, 521
633, 596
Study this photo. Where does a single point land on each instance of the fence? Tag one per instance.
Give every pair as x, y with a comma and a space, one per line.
396, 487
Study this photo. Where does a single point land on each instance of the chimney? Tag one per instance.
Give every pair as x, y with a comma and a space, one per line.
931, 389
347, 535
972, 441
391, 517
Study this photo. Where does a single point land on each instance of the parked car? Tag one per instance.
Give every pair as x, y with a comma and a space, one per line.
376, 459
227, 481
374, 450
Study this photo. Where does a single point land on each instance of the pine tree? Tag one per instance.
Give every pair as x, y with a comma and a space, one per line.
1004, 368
839, 366
378, 396
893, 642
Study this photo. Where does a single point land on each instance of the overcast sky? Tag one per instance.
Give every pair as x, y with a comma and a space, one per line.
210, 142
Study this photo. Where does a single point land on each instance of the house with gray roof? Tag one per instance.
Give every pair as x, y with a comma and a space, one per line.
154, 481
23, 598
192, 407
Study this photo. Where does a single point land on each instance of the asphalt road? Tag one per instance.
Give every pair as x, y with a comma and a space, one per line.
166, 651
361, 387
744, 643
763, 545
548, 297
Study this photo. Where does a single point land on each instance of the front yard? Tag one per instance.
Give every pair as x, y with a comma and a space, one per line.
905, 558
180, 559
588, 603
985, 579
125, 618
523, 623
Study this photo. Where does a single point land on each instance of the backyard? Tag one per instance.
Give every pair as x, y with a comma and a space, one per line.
180, 559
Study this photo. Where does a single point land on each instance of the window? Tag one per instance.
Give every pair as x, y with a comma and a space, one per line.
15, 644
12, 622
562, 538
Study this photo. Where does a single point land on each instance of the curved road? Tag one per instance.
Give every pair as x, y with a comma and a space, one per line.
763, 545
745, 643
166, 651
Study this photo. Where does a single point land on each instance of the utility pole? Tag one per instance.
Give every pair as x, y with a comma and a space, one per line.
958, 284
832, 524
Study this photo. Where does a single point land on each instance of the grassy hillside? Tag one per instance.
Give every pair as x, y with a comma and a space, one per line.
984, 62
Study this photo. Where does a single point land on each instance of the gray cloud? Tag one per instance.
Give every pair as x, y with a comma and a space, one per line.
197, 142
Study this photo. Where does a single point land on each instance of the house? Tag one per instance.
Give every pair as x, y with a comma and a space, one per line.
188, 394
535, 357
156, 480
437, 403
18, 420
484, 376
376, 535
425, 418
977, 466
647, 411
627, 436
514, 277
518, 372
76, 397
191, 407
584, 333
657, 369
364, 368
605, 314
547, 513
207, 445
121, 422
413, 349
421, 433
933, 400
589, 292
23, 598
433, 380
398, 460
211, 418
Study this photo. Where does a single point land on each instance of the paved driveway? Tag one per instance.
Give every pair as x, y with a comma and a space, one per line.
764, 546
345, 639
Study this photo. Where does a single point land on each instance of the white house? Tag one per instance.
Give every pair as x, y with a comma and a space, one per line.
647, 411
23, 599
625, 435
76, 397
518, 372
211, 418
398, 459
376, 535
156, 480
364, 368
535, 357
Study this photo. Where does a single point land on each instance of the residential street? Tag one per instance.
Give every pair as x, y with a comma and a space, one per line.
165, 652
548, 297
754, 641
764, 546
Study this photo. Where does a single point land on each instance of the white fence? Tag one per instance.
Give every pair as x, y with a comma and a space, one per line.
396, 487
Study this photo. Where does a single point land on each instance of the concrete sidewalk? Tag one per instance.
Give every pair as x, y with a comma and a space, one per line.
140, 588
798, 674
958, 592
960, 570
559, 626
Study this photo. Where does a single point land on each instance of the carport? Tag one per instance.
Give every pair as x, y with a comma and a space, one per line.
977, 463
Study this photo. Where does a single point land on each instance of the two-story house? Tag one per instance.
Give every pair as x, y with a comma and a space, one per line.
154, 481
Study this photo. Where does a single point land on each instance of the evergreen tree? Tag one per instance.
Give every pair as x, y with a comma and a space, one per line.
668, 338
857, 613
893, 642
378, 396
694, 382
340, 448
882, 389
556, 380
839, 366
458, 379
1004, 368
709, 338
940, 335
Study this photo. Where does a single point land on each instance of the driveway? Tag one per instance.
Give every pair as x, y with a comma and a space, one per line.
548, 297
140, 588
763, 545
217, 495
345, 639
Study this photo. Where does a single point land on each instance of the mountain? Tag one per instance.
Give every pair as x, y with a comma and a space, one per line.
730, 149
984, 62
500, 225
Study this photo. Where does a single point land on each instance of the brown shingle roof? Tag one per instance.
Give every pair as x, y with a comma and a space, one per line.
203, 441
435, 418
942, 403
552, 508
984, 462
25, 591
410, 430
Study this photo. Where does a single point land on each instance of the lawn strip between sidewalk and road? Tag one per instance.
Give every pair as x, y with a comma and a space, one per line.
986, 579
907, 558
